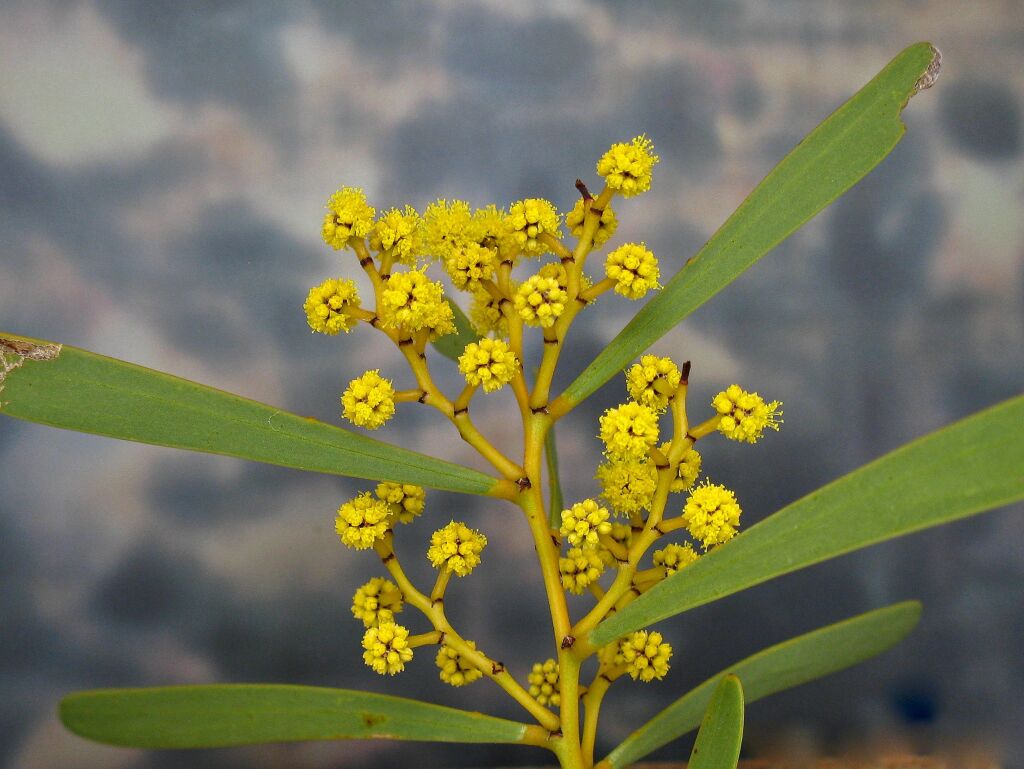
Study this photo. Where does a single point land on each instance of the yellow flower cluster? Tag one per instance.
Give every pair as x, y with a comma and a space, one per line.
369, 400
544, 682
580, 568
446, 227
628, 485
378, 601
404, 500
688, 470
398, 233
527, 220
489, 363
621, 533
583, 523
745, 415
653, 381
328, 306
645, 654
711, 514
626, 168
606, 225
486, 316
469, 265
629, 431
362, 521
540, 300
456, 548
489, 228
413, 302
456, 670
387, 648
675, 557
348, 215
634, 270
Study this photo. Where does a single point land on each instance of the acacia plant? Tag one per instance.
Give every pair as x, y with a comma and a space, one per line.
641, 553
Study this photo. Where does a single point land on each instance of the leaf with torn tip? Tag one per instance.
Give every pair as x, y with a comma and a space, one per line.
721, 731
969, 467
775, 669
246, 714
79, 390
830, 160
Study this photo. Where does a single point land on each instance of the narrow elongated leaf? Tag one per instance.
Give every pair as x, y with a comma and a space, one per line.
721, 731
66, 387
775, 669
453, 345
966, 468
830, 160
244, 714
555, 500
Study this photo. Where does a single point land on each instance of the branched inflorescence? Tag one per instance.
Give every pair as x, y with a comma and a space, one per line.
518, 270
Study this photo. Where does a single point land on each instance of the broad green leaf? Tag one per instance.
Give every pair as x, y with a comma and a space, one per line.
963, 469
775, 669
830, 160
66, 387
453, 345
554, 481
721, 731
244, 714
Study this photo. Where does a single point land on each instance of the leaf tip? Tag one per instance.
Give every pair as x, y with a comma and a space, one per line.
731, 683
14, 352
913, 611
931, 72
67, 713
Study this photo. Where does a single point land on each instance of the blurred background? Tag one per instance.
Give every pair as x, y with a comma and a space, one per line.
163, 170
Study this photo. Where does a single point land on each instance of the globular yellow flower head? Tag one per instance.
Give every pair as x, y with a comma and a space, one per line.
405, 500
645, 655
711, 514
634, 270
387, 648
621, 533
376, 602
628, 485
545, 683
688, 470
626, 168
446, 227
579, 569
540, 301
328, 306
456, 670
653, 381
557, 271
745, 415
469, 265
606, 225
486, 316
362, 521
489, 228
490, 363
583, 523
675, 557
400, 233
527, 220
369, 400
629, 431
456, 547
348, 215
412, 302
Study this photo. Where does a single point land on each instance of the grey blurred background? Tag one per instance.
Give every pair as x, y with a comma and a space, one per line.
163, 167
